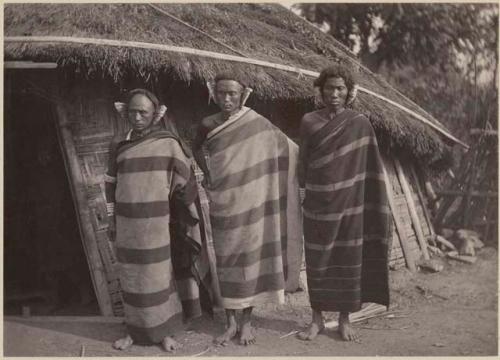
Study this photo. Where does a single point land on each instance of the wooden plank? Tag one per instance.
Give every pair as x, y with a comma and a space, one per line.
410, 262
411, 207
78, 190
422, 202
219, 56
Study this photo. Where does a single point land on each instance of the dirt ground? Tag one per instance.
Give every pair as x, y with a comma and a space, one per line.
454, 313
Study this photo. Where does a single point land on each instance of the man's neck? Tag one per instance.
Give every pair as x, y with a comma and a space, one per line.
137, 134
333, 112
226, 115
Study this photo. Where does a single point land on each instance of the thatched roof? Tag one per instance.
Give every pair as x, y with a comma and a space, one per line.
261, 31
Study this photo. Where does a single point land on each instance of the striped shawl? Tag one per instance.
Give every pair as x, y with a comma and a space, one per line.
155, 187
254, 209
346, 215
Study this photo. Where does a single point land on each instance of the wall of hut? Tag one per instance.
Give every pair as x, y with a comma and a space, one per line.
86, 123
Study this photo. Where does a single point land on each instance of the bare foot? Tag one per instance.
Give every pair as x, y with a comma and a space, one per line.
347, 333
123, 343
229, 334
246, 336
169, 344
231, 331
313, 331
317, 326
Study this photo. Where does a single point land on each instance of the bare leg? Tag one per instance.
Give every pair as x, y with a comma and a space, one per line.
231, 330
247, 337
317, 326
345, 329
169, 344
123, 343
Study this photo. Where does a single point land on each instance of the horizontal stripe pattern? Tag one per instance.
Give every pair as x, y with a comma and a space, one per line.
144, 300
236, 156
251, 173
244, 289
250, 272
346, 183
355, 145
348, 243
154, 163
143, 256
141, 233
139, 210
384, 209
247, 204
243, 259
270, 207
346, 216
150, 171
226, 246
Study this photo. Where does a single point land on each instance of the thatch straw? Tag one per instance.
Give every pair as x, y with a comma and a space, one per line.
262, 31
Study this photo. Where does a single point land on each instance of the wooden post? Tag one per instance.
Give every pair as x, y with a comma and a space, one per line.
422, 201
470, 187
80, 201
410, 261
413, 210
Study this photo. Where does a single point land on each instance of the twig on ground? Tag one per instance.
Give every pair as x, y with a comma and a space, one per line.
428, 292
289, 334
203, 352
371, 311
372, 328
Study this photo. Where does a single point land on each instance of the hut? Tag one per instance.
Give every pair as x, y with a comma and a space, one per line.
66, 64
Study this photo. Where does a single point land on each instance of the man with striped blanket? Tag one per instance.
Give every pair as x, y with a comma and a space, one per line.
346, 213
149, 185
254, 206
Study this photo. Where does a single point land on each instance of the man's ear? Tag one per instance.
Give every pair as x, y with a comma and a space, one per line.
121, 108
159, 113
211, 90
245, 95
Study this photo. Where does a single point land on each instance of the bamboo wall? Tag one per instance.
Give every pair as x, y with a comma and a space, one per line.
397, 256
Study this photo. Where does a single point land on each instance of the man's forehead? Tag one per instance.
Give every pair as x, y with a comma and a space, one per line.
140, 101
228, 84
335, 80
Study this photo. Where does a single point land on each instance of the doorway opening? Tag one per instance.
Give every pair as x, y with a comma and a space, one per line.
45, 267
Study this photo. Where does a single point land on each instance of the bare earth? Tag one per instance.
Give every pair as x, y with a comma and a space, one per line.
453, 313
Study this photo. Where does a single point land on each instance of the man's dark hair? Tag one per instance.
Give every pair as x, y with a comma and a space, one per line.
230, 76
146, 93
336, 71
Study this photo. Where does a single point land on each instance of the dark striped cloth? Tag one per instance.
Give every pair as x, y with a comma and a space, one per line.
155, 186
254, 208
346, 215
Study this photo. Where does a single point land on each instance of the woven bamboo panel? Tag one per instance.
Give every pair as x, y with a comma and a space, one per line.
396, 258
93, 124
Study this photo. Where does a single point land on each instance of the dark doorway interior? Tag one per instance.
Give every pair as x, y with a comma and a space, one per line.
45, 267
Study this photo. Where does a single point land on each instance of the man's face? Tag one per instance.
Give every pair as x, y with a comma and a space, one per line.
141, 112
228, 96
335, 93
